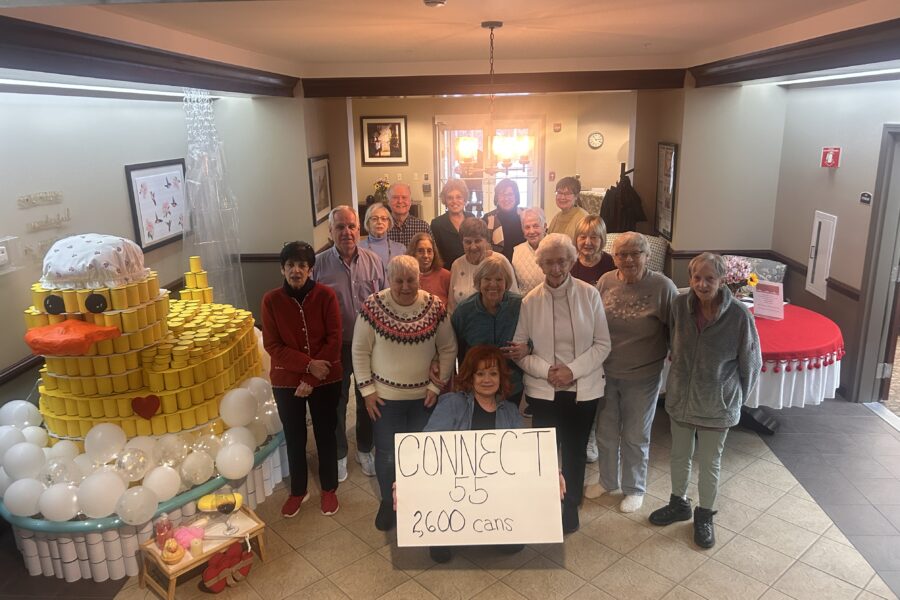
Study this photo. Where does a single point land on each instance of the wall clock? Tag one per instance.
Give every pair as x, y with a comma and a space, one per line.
595, 140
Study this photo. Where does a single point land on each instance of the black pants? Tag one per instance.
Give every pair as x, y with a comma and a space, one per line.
363, 421
573, 422
323, 403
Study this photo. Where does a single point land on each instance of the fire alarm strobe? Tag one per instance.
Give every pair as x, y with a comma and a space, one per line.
831, 157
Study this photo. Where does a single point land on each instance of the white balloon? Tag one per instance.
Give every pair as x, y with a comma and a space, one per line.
234, 461
239, 435
22, 496
64, 448
104, 441
172, 448
137, 505
260, 388
99, 493
59, 502
20, 413
9, 437
269, 416
85, 464
36, 435
197, 468
258, 429
209, 443
163, 481
24, 461
61, 470
5, 481
148, 444
238, 407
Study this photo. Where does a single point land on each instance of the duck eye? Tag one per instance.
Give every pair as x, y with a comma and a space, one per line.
95, 303
54, 304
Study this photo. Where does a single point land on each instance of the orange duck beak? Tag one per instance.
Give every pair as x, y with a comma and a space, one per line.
69, 338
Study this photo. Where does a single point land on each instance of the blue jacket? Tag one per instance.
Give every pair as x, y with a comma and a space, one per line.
454, 413
474, 325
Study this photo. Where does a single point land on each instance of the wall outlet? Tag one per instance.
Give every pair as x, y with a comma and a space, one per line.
426, 188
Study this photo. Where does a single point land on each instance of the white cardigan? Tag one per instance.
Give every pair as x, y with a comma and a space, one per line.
592, 344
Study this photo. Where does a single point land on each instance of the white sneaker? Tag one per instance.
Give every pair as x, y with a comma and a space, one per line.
631, 503
342, 469
594, 490
592, 453
366, 463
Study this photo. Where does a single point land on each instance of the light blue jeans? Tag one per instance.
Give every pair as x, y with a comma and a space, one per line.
623, 432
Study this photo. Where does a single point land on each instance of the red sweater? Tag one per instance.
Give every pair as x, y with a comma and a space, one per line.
294, 334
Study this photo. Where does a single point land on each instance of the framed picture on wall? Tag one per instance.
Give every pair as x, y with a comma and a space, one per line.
320, 188
665, 188
383, 140
158, 202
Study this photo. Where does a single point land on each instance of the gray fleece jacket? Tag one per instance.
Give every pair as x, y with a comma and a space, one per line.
715, 370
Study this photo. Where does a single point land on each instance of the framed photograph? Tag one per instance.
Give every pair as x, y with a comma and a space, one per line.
383, 140
665, 188
158, 203
320, 188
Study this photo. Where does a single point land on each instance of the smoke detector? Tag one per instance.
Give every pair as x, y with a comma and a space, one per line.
434, 3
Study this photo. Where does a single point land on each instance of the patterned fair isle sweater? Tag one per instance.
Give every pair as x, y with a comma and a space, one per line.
393, 346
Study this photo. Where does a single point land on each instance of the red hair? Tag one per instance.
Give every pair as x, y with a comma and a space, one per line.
488, 356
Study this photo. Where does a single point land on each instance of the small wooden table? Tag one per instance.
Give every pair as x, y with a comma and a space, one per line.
249, 526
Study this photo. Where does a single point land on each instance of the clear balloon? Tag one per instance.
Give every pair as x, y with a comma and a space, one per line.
9, 437
269, 416
234, 461
238, 407
210, 444
20, 413
104, 441
239, 435
64, 448
258, 429
85, 464
132, 464
172, 449
36, 435
148, 444
99, 493
59, 502
5, 481
24, 461
22, 496
61, 470
137, 505
163, 481
260, 388
197, 468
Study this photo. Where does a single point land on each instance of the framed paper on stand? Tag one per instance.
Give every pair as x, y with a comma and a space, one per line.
665, 188
383, 140
320, 188
158, 203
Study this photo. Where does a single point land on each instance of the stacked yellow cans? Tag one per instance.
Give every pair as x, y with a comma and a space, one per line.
196, 283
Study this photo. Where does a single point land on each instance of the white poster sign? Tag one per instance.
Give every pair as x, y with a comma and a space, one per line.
768, 300
498, 486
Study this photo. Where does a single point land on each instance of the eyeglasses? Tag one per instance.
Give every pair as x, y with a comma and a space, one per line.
562, 193
632, 255
380, 219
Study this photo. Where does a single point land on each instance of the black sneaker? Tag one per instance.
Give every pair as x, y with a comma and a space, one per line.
440, 554
386, 518
704, 531
678, 509
569, 518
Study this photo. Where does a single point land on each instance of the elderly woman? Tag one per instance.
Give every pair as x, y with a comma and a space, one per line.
301, 323
637, 303
505, 222
593, 262
566, 221
474, 236
445, 228
398, 332
715, 365
490, 315
433, 277
524, 261
564, 320
378, 222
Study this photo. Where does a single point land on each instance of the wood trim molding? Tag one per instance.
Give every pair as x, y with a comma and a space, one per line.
833, 284
863, 45
428, 85
260, 258
19, 367
36, 47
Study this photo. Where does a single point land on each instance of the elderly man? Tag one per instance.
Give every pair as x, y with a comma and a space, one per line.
406, 226
354, 274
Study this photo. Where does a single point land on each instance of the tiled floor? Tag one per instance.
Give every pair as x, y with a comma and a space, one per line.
774, 540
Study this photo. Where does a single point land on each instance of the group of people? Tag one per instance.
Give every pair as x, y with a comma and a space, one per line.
530, 320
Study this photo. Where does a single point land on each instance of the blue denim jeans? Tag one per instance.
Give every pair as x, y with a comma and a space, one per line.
363, 422
623, 432
397, 416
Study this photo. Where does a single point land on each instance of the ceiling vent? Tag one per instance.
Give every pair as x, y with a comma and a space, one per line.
434, 3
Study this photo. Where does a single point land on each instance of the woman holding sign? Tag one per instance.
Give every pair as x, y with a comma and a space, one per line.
398, 332
564, 320
715, 365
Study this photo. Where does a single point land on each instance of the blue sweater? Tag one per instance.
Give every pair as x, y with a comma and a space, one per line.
454, 413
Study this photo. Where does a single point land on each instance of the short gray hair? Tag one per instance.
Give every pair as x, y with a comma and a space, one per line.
402, 264
338, 209
714, 260
397, 184
492, 265
535, 211
454, 184
556, 241
631, 238
375, 206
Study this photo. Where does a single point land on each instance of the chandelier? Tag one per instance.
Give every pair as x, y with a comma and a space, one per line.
506, 149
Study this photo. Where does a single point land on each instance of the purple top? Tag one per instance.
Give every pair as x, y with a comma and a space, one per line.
352, 284
592, 274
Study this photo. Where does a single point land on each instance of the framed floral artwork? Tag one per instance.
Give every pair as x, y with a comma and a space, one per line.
383, 140
158, 202
320, 188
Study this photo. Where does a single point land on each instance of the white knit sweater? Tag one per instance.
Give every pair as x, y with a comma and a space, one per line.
528, 272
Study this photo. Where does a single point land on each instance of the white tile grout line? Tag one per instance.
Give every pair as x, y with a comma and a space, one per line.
887, 416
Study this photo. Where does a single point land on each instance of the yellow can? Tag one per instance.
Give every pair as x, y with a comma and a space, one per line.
135, 380
73, 428
120, 383
131, 361
188, 419
129, 426
147, 337
104, 385
173, 423
201, 414
169, 403
207, 294
209, 389
196, 264
190, 280
143, 427
157, 382
132, 294
55, 319
90, 386
123, 407
105, 347
171, 379
129, 321
202, 279
153, 285
186, 376
82, 296
69, 406
110, 409
84, 407
119, 298
38, 295
158, 424
121, 344
135, 341
117, 364
143, 292
184, 399
141, 317
70, 300
49, 381
96, 405
197, 394
71, 366
75, 386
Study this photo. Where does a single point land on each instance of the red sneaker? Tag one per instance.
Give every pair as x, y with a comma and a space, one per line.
292, 505
330, 503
